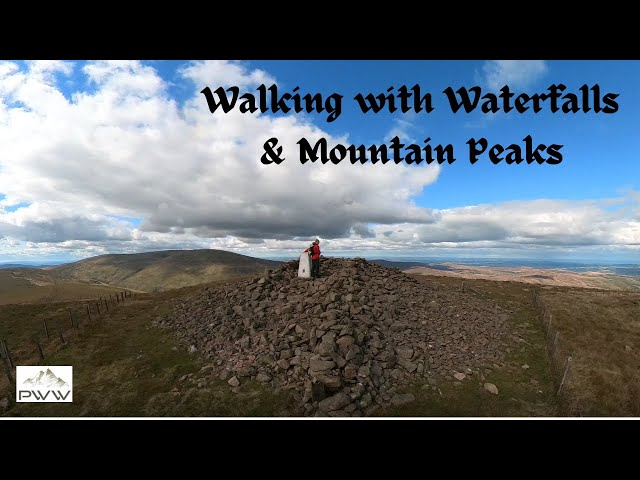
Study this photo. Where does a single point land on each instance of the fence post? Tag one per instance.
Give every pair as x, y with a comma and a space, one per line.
564, 376
555, 343
39, 347
98, 309
73, 324
7, 354
64, 342
7, 368
106, 305
46, 329
88, 312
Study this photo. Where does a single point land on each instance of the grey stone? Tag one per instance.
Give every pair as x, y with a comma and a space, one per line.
283, 364
318, 365
335, 402
407, 365
402, 398
398, 326
234, 382
340, 361
344, 343
491, 388
263, 378
295, 360
350, 372
350, 408
331, 382
326, 348
405, 352
353, 351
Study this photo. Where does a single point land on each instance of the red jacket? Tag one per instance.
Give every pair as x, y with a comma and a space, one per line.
315, 252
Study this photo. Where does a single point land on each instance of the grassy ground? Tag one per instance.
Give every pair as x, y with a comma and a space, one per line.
123, 366
16, 288
601, 332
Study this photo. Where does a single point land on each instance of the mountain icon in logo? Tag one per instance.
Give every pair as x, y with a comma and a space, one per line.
46, 379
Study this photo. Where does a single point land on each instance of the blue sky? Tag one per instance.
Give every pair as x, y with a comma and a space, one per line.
602, 143
107, 157
598, 149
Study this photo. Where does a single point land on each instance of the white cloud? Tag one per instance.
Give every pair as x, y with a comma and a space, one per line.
121, 146
515, 73
540, 227
225, 74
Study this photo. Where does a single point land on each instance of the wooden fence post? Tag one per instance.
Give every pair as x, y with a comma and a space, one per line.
7, 368
64, 342
555, 343
38, 346
46, 329
106, 305
564, 376
73, 324
7, 354
88, 312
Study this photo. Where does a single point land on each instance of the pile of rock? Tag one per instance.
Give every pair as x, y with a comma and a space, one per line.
344, 343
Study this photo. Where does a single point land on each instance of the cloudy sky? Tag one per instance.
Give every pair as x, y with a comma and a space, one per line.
121, 157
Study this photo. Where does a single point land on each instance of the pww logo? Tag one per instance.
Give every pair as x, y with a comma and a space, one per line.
44, 383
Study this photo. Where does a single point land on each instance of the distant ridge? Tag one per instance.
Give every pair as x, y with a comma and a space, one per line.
164, 270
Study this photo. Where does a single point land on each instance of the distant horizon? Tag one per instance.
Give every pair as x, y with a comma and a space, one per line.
413, 257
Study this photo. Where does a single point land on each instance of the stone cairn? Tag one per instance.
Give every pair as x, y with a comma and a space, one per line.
343, 344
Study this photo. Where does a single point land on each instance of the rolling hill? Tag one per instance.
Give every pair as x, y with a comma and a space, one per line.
159, 271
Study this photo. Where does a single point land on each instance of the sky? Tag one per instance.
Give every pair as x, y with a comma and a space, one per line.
104, 157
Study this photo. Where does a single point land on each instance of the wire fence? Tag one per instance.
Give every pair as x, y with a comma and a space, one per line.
560, 361
57, 330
